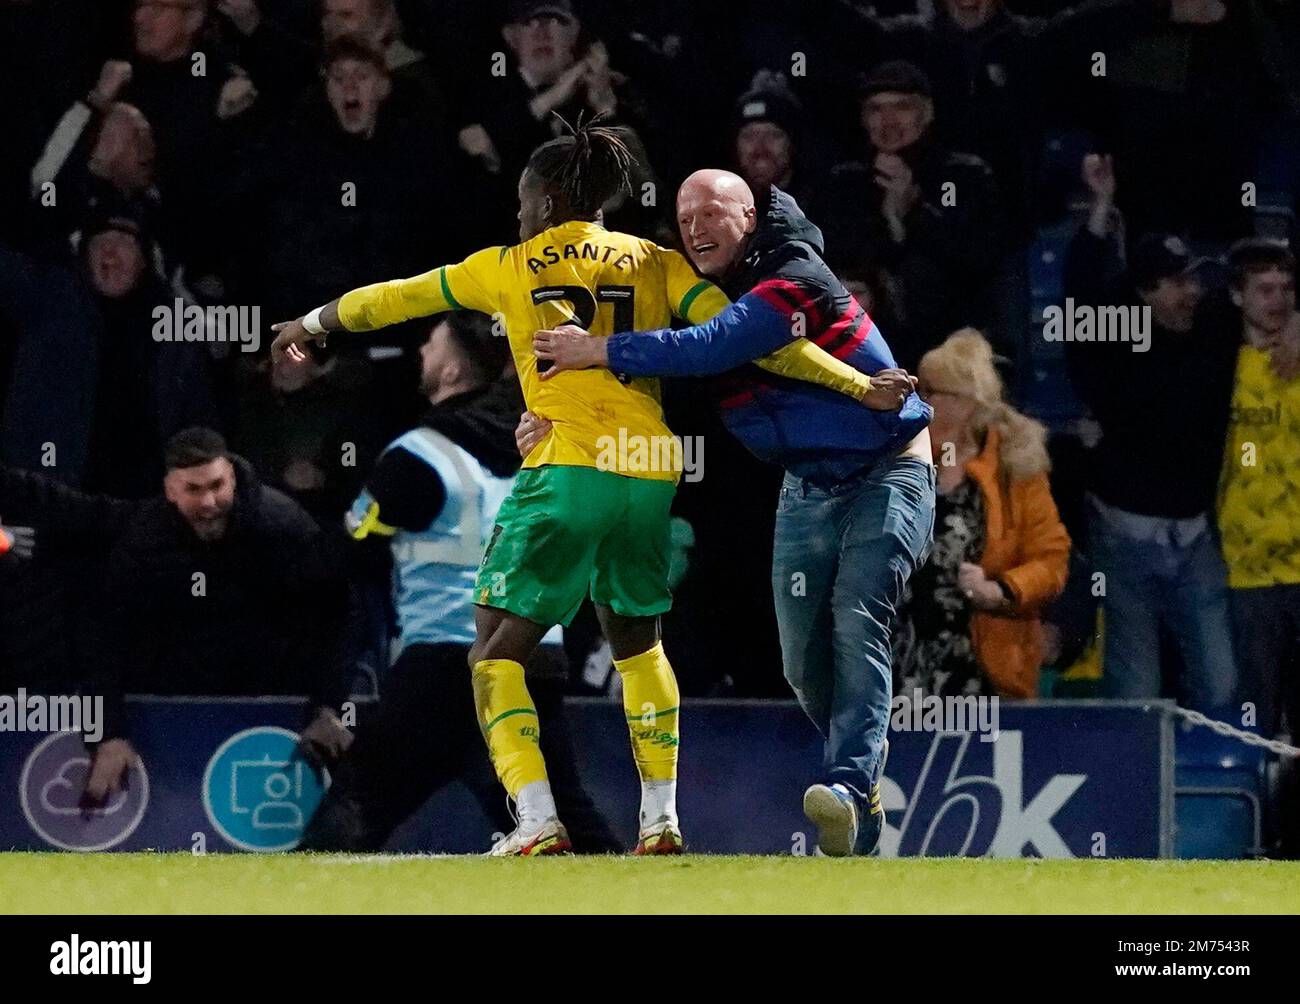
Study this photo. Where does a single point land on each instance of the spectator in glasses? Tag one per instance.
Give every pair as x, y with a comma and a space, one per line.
971, 624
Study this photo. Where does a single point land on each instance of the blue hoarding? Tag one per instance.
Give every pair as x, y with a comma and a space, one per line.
1061, 779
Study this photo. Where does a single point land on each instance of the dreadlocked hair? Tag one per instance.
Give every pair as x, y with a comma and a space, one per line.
586, 168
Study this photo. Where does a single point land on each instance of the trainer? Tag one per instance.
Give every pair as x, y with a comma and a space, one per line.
856, 510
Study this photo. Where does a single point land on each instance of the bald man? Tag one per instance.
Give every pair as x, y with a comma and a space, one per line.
856, 511
123, 155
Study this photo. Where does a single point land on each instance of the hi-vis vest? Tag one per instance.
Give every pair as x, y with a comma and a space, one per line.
434, 569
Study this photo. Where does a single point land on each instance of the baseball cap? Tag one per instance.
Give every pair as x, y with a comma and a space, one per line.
353, 47
519, 11
120, 222
1156, 257
895, 76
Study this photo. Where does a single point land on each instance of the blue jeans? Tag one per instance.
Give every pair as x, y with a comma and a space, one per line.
1157, 577
840, 561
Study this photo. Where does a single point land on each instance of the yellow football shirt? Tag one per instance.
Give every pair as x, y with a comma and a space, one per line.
606, 282
1259, 492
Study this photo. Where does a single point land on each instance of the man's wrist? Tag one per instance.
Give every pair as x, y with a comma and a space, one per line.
247, 24
541, 105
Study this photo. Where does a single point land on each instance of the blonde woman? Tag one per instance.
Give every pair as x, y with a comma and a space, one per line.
970, 624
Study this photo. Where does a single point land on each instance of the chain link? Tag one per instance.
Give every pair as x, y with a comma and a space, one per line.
1249, 738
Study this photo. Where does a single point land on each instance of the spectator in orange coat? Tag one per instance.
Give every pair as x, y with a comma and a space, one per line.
971, 623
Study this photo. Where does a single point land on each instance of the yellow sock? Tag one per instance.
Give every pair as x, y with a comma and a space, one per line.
509, 722
650, 700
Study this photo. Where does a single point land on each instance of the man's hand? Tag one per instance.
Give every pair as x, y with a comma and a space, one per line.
237, 95
1099, 175
115, 74
568, 347
17, 541
476, 142
325, 740
889, 389
900, 188
559, 93
984, 593
290, 337
601, 98
244, 14
532, 429
108, 772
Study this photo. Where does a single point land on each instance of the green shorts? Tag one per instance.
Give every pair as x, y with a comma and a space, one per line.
564, 532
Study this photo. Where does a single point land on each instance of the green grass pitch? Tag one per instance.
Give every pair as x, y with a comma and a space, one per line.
220, 883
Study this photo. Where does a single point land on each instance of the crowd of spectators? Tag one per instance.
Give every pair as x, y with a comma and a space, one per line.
968, 161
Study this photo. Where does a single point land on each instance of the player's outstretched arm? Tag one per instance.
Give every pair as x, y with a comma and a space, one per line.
464, 286
805, 360
885, 390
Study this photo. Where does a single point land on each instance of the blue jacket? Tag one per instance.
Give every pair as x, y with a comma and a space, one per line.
783, 290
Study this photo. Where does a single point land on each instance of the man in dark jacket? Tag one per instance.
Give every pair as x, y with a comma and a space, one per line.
857, 507
1000, 77
99, 159
1192, 83
768, 120
557, 74
1156, 469
94, 393
193, 592
350, 189
930, 217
